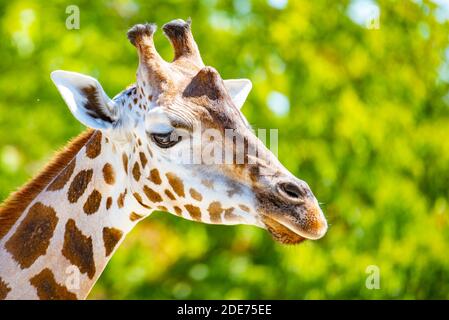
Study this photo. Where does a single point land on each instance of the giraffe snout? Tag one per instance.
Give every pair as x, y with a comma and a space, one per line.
291, 212
303, 215
294, 191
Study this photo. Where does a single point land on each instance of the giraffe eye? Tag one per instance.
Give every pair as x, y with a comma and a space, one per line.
166, 140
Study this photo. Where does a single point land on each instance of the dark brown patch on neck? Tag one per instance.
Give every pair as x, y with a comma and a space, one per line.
79, 185
111, 236
78, 249
65, 175
92, 203
4, 289
48, 288
32, 237
169, 194
176, 184
17, 202
93, 147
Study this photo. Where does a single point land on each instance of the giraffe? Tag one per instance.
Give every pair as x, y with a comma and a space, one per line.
71, 217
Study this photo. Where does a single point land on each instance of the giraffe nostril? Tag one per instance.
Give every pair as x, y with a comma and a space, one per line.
292, 190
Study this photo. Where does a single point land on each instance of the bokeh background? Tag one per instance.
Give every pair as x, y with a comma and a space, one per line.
360, 92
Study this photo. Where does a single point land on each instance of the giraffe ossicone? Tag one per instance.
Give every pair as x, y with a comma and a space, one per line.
77, 211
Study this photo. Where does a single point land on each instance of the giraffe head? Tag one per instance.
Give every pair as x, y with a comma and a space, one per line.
186, 146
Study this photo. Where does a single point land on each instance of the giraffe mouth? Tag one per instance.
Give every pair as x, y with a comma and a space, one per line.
280, 232
290, 231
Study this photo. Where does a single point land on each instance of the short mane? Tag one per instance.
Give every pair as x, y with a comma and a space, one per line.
18, 201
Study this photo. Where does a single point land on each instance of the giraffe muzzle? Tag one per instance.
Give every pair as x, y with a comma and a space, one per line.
294, 213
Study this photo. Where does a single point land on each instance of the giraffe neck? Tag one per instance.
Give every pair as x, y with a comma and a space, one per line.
58, 247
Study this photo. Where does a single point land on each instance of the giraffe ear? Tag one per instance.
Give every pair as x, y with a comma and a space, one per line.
86, 99
238, 89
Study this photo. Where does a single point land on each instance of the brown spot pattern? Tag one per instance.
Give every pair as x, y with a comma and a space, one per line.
108, 202
93, 147
48, 289
4, 289
79, 185
61, 180
176, 184
109, 174
136, 171
215, 211
121, 199
138, 197
135, 216
111, 236
178, 210
78, 249
155, 177
169, 194
195, 194
32, 237
152, 195
140, 201
92, 203
14, 206
125, 162
143, 159
194, 212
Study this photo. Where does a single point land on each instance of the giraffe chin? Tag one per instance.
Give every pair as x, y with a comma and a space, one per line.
280, 232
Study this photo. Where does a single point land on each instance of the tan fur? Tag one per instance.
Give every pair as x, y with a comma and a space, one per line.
17, 202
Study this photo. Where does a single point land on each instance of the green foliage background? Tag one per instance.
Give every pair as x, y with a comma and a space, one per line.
367, 128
